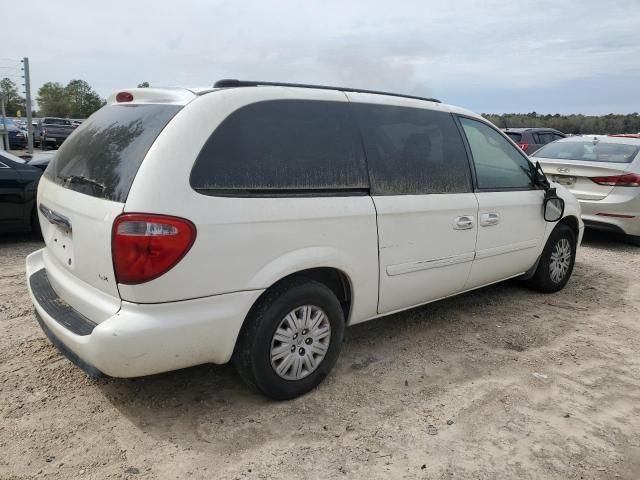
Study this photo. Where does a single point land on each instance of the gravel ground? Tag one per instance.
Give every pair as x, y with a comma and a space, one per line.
499, 383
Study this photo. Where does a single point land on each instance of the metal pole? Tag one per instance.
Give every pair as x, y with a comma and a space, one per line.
5, 133
27, 86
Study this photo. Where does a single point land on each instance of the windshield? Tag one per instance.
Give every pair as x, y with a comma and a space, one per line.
102, 156
589, 151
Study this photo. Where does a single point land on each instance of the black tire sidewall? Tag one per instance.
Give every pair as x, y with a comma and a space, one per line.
542, 279
265, 321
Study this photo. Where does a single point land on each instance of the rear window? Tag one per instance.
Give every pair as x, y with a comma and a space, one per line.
283, 147
589, 151
102, 156
516, 137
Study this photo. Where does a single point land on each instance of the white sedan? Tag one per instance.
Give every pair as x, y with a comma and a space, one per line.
603, 173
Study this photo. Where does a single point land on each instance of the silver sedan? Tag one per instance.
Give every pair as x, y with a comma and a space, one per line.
603, 173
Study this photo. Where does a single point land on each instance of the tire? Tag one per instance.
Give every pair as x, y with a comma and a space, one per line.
545, 279
253, 354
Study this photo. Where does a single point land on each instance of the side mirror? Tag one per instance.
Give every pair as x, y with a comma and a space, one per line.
553, 209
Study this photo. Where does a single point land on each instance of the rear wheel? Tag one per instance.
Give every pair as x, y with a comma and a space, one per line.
291, 339
556, 262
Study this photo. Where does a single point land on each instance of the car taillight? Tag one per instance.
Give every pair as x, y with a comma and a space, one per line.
628, 180
146, 246
524, 146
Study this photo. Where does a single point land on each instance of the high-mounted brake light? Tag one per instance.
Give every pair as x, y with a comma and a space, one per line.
124, 97
524, 146
146, 246
627, 180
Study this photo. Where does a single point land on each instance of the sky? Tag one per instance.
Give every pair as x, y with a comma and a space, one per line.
488, 56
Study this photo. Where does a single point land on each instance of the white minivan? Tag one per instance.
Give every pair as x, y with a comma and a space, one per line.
254, 221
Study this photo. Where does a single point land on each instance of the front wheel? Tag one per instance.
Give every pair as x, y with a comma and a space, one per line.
291, 339
556, 262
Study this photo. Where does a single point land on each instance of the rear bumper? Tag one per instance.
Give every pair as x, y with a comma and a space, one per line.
140, 339
622, 201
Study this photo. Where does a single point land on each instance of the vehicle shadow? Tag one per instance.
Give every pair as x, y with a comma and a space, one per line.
13, 239
458, 340
15, 245
610, 241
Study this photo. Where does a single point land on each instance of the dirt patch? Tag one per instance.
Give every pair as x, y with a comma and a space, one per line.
499, 383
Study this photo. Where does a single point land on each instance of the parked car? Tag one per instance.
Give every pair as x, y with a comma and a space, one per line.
17, 137
293, 212
18, 187
53, 131
603, 172
531, 139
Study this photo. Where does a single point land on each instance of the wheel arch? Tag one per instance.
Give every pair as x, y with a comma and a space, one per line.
572, 222
334, 278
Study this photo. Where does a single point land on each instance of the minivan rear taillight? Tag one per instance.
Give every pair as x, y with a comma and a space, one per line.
145, 246
628, 180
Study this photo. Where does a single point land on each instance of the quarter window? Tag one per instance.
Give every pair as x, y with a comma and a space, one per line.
283, 147
498, 164
413, 150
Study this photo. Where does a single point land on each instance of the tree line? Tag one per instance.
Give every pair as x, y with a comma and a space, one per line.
77, 99
576, 124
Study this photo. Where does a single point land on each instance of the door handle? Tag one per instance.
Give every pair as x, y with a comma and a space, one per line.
489, 219
464, 222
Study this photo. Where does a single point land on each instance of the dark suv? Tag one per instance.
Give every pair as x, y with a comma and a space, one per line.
531, 139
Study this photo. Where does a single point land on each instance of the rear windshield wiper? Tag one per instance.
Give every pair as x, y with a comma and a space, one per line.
79, 179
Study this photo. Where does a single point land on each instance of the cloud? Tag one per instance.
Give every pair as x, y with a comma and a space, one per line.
460, 49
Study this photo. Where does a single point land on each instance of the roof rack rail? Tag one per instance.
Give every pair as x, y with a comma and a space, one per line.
230, 82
